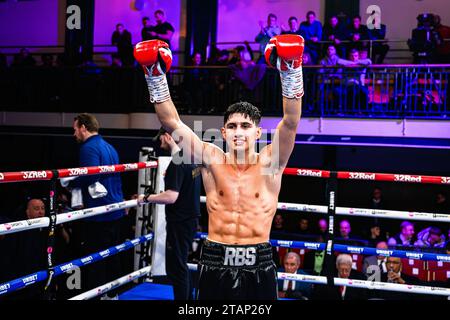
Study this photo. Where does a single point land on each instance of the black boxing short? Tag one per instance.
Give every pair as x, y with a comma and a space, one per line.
237, 272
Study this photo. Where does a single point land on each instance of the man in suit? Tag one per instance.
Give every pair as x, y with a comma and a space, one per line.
395, 275
293, 289
375, 266
344, 270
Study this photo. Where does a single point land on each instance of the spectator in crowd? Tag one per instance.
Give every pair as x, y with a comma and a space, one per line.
47, 60
315, 259
346, 237
443, 49
195, 85
376, 265
375, 234
219, 57
293, 289
335, 32
377, 201
303, 226
331, 59
405, 237
163, 30
278, 223
357, 34
354, 91
379, 48
431, 237
293, 27
266, 32
146, 29
24, 59
344, 270
121, 38
311, 30
395, 275
101, 231
182, 200
323, 228
441, 205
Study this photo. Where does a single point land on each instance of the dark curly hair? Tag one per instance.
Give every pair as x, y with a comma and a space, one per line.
245, 108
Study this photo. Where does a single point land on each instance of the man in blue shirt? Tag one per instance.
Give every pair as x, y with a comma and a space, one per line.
103, 231
311, 30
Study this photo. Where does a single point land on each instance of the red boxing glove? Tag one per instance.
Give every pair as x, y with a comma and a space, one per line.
156, 59
154, 55
285, 52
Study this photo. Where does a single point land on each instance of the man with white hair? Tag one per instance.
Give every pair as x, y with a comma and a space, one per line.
289, 288
344, 270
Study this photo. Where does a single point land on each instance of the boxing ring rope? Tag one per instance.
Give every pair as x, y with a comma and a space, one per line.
113, 284
372, 176
80, 214
319, 246
437, 291
23, 225
361, 212
39, 276
74, 172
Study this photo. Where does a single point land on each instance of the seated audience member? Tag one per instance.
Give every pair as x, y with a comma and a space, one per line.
375, 234
303, 226
323, 228
278, 223
395, 275
441, 204
379, 48
289, 288
331, 58
376, 265
266, 32
343, 270
377, 201
431, 237
335, 32
293, 27
405, 237
314, 261
24, 59
357, 34
311, 30
345, 235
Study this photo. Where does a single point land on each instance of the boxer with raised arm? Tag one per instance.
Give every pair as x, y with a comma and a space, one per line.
242, 186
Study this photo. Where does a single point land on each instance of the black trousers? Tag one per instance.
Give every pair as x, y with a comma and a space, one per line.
179, 238
98, 236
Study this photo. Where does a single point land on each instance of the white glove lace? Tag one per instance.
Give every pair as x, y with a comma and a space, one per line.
291, 80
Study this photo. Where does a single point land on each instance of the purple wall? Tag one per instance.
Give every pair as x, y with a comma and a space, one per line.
238, 20
30, 23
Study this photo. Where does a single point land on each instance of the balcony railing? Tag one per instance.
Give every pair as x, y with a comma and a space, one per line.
394, 91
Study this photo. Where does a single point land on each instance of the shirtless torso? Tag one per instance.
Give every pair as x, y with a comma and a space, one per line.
241, 202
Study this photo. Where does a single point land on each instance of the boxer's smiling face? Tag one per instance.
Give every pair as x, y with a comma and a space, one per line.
240, 133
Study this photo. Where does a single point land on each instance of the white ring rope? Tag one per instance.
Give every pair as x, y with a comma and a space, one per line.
43, 222
439, 291
360, 212
100, 290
